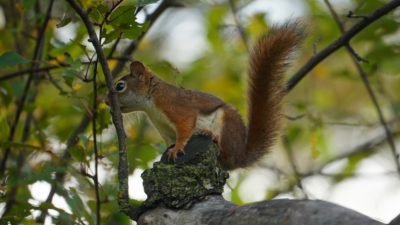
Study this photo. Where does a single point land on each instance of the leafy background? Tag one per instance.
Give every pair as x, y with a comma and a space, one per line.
332, 146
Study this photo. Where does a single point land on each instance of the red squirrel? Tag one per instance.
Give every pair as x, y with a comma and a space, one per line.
178, 113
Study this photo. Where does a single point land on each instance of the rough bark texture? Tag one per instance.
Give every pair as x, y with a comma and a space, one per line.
192, 176
214, 210
189, 192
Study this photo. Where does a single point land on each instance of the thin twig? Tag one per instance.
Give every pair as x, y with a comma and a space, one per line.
367, 146
20, 161
54, 67
114, 47
59, 176
363, 75
123, 196
289, 153
351, 14
340, 42
96, 153
31, 70
29, 118
13, 18
238, 25
35, 64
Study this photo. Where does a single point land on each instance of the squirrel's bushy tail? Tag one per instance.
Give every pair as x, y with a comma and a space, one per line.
268, 62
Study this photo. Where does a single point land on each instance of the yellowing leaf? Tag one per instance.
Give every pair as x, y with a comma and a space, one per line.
90, 144
113, 148
132, 132
320, 71
76, 86
112, 63
103, 106
53, 22
90, 3
57, 59
20, 8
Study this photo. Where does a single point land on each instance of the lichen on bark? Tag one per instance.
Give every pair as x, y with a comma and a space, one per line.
191, 177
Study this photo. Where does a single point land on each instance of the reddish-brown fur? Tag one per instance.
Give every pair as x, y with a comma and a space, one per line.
178, 113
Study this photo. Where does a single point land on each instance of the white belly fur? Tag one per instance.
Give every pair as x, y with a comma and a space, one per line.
211, 122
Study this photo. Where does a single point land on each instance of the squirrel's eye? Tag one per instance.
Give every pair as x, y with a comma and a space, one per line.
120, 86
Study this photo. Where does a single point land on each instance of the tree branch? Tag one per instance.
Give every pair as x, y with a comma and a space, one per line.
395, 221
289, 152
369, 145
123, 196
35, 63
340, 42
356, 61
238, 25
31, 70
95, 147
215, 210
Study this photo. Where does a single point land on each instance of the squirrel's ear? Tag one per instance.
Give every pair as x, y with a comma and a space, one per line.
137, 68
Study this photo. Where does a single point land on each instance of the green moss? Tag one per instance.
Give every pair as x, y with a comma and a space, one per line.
193, 176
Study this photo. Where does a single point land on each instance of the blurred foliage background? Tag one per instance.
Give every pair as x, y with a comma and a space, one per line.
333, 146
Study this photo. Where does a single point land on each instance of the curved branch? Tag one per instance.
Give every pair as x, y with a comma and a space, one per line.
123, 197
340, 42
356, 61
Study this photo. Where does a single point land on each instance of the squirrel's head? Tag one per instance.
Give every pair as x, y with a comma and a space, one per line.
133, 89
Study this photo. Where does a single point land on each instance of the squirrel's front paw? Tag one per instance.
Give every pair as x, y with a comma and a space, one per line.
174, 152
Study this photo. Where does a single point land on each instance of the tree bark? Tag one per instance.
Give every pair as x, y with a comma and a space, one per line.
214, 210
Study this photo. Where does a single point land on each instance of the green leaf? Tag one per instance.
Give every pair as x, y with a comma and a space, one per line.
7, 144
77, 153
28, 4
9, 59
123, 20
96, 15
65, 21
123, 15
77, 206
4, 127
111, 36
215, 18
132, 34
293, 133
138, 3
144, 2
353, 162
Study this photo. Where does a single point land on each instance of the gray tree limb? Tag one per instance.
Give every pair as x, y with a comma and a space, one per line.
215, 210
